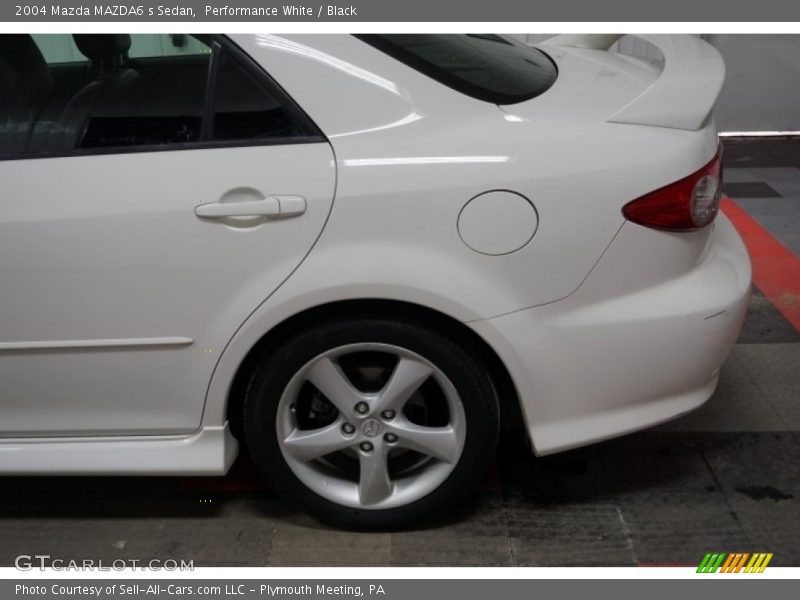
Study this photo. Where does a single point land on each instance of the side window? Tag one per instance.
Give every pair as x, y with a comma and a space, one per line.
88, 93
152, 97
245, 110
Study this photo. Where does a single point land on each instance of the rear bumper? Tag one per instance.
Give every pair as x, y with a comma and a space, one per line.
632, 347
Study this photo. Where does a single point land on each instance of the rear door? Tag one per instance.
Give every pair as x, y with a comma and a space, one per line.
156, 189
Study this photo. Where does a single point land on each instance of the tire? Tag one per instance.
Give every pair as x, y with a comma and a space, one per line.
313, 446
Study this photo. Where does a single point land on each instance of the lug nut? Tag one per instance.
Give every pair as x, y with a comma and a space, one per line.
388, 414
365, 446
362, 408
390, 438
348, 428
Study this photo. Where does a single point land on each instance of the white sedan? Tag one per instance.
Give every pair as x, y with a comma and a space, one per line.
352, 254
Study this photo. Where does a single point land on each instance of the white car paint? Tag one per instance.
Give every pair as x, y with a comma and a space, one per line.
133, 314
100, 258
688, 64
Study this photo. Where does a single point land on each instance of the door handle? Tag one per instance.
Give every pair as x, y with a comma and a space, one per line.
271, 206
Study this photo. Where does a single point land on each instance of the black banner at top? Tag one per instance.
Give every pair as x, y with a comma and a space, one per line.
262, 11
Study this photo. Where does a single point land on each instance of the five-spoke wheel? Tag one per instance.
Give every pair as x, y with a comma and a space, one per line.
370, 422
382, 405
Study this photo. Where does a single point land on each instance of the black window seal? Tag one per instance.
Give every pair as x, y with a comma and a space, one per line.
180, 147
313, 133
446, 78
207, 126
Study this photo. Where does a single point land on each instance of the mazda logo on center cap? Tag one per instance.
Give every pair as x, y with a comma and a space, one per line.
371, 428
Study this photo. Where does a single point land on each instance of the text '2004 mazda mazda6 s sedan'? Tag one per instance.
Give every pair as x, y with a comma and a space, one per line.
352, 254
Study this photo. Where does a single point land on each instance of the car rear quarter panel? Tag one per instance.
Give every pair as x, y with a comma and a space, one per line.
410, 153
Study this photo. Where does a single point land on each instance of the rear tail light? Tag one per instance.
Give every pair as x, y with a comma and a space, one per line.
690, 203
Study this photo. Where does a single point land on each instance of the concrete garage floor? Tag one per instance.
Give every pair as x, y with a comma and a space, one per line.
726, 478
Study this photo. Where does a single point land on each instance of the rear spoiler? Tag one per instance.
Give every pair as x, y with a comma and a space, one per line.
683, 95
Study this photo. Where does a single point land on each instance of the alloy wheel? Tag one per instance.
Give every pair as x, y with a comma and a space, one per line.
371, 426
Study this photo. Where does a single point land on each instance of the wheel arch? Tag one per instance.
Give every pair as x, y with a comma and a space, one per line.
508, 397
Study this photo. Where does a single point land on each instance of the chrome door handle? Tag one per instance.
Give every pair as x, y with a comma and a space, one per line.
271, 206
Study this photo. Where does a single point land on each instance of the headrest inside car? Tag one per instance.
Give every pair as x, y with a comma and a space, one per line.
98, 47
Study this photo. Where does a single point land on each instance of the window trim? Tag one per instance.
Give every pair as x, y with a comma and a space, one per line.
446, 78
207, 125
219, 44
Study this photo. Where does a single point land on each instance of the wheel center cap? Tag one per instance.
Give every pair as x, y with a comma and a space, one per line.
371, 428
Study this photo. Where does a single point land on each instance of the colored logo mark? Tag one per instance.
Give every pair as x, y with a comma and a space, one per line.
735, 562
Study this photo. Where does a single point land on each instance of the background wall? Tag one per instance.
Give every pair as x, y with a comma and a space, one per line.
762, 86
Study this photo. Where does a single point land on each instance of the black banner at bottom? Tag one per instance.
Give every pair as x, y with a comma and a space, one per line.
733, 587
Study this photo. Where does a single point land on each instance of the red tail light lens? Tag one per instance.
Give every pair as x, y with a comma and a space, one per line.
690, 203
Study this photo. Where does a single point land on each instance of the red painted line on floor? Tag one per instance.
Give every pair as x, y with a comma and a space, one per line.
776, 270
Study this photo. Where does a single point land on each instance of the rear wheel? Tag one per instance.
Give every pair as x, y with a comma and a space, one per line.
372, 423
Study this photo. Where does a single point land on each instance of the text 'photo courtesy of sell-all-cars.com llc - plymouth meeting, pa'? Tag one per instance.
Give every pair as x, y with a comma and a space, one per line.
349, 257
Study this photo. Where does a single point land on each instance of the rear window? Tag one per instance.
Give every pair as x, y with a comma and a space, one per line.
487, 67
